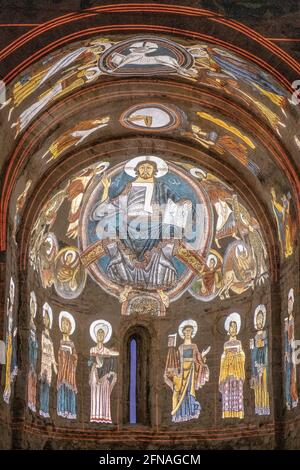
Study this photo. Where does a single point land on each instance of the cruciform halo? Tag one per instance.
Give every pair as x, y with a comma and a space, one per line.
162, 166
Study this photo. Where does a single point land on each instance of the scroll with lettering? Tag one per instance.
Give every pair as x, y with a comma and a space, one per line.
92, 253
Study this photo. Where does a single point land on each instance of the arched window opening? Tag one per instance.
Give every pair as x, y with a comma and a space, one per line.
132, 385
137, 378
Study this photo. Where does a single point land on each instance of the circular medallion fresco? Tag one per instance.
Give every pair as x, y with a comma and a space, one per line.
144, 56
151, 117
207, 286
138, 228
70, 274
239, 268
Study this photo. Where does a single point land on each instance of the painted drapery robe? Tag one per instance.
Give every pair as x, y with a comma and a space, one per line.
260, 372
291, 394
11, 354
235, 67
102, 380
32, 375
231, 380
185, 373
47, 362
66, 380
284, 224
141, 225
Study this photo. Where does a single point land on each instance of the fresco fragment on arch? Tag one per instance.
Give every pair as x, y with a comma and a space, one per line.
285, 228
146, 230
21, 201
74, 137
212, 132
87, 62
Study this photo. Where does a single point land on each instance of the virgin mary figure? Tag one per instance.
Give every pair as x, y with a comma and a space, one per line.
139, 218
103, 374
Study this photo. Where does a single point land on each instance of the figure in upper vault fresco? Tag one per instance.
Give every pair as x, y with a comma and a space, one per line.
47, 362
291, 394
103, 374
74, 136
232, 371
67, 364
11, 345
20, 203
33, 355
186, 371
284, 223
260, 363
75, 190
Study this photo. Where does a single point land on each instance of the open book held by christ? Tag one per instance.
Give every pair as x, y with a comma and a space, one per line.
176, 214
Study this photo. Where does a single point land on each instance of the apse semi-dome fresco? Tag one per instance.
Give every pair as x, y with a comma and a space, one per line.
148, 226
149, 233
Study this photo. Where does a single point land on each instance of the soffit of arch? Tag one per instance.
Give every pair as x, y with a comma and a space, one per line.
244, 120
